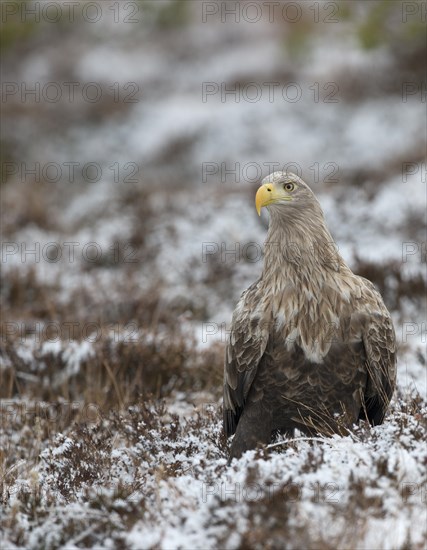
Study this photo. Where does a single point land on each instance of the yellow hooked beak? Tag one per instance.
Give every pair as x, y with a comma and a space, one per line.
263, 197
266, 195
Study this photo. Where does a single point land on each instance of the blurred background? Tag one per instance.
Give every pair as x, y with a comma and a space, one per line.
134, 135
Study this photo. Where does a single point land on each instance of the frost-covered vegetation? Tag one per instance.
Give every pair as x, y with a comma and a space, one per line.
117, 291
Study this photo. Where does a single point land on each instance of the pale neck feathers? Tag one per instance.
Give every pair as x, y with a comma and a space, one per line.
309, 284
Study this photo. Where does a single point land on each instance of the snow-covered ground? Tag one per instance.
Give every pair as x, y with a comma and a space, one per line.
113, 327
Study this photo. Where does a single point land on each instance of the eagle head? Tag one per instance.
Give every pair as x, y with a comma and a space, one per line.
284, 190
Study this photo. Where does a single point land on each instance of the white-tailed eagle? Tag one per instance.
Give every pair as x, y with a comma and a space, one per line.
312, 345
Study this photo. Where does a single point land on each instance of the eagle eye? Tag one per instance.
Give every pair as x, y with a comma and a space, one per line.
289, 187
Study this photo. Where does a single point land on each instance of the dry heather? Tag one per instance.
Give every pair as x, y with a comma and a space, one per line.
98, 477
